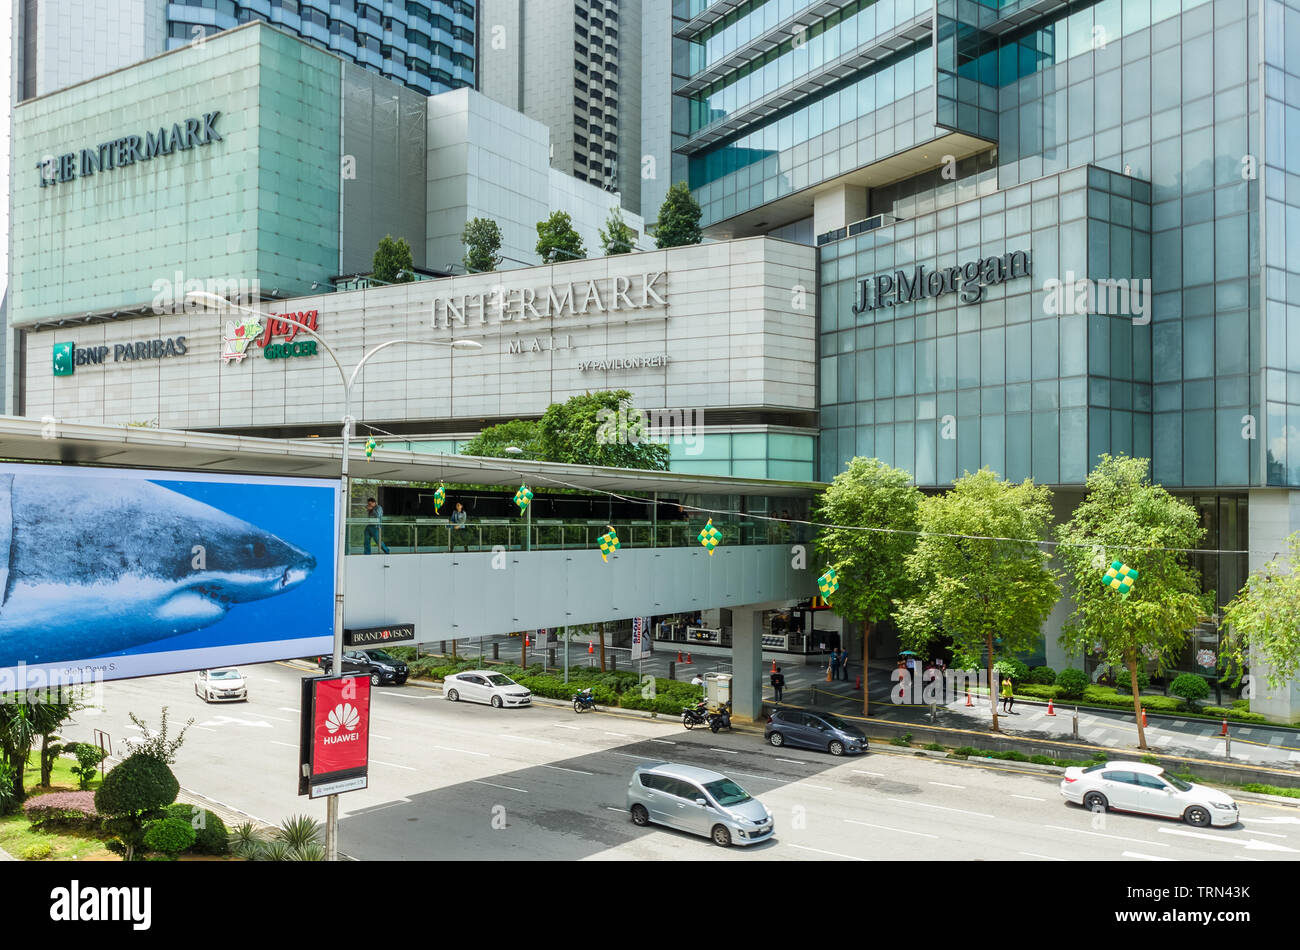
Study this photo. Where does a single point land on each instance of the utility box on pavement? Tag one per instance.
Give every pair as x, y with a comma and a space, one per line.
717, 690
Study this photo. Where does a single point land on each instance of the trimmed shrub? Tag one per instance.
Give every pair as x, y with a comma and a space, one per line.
62, 810
1039, 692
933, 747
965, 751
1018, 671
1043, 676
905, 739
1072, 683
210, 833
1190, 687
1236, 715
1122, 682
37, 852
168, 835
88, 758
140, 783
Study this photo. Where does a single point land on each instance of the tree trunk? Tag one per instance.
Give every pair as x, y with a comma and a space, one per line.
523, 649
47, 761
868, 626
1137, 700
993, 686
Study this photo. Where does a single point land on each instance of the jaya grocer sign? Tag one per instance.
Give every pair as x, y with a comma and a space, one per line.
129, 149
240, 335
968, 280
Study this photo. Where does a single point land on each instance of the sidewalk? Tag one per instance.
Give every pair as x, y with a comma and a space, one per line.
1255, 744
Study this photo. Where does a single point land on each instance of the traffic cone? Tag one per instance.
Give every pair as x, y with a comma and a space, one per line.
1051, 710
968, 702
591, 646
679, 657
1144, 718
774, 666
688, 658
858, 683
828, 674
1224, 730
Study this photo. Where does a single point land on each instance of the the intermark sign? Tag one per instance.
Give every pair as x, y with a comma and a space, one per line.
581, 298
129, 149
968, 280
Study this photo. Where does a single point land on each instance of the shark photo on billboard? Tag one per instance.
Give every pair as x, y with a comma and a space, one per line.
124, 572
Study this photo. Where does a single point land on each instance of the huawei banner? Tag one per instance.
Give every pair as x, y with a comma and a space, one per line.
335, 745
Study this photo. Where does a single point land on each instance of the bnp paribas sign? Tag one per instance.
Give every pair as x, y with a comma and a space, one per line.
129, 149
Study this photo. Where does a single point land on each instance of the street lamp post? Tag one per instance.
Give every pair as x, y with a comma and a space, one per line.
340, 566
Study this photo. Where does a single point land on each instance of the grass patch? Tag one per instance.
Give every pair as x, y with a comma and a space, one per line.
18, 838
1270, 790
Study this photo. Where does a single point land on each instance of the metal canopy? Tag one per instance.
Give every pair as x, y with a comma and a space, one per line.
31, 440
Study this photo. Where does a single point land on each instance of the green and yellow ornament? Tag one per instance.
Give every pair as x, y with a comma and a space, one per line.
1120, 577
370, 447
439, 498
523, 497
710, 537
828, 584
609, 543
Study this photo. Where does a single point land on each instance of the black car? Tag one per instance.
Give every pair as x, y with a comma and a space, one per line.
382, 667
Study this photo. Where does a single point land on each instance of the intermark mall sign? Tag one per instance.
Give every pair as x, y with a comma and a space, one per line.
502, 305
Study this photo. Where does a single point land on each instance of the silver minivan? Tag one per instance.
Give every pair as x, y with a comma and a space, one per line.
699, 801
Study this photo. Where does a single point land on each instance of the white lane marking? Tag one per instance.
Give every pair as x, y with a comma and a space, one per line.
1242, 857
461, 751
1098, 834
494, 785
206, 729
621, 735
977, 814
1045, 857
765, 778
560, 768
728, 751
1146, 857
862, 772
628, 755
824, 788
946, 785
833, 854
1266, 834
288, 709
393, 765
793, 761
560, 725
901, 831
385, 738
291, 745
1249, 844
663, 742
1274, 820
1028, 798
279, 718
612, 808
507, 735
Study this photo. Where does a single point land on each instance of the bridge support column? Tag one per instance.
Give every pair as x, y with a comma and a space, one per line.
746, 662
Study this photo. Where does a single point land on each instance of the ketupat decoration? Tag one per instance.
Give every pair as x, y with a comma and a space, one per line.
609, 543
439, 497
710, 537
370, 447
523, 497
1120, 577
828, 584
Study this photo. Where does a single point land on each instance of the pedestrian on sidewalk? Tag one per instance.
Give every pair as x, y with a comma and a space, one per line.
844, 664
1008, 696
835, 664
778, 683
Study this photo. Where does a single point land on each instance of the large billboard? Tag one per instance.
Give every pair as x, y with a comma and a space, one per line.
114, 573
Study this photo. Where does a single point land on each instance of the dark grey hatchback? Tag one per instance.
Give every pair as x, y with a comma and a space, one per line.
814, 730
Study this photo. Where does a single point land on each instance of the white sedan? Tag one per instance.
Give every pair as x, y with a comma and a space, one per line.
1149, 790
485, 686
221, 686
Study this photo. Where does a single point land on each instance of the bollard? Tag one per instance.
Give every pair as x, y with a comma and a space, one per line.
1227, 745
934, 716
1076, 722
613, 662
672, 670
444, 647
496, 650
550, 657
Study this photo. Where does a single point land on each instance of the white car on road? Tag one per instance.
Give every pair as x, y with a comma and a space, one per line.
1149, 790
485, 686
225, 685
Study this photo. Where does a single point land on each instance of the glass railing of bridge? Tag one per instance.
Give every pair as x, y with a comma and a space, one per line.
417, 535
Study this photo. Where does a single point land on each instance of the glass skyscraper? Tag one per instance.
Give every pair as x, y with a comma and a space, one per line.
1144, 155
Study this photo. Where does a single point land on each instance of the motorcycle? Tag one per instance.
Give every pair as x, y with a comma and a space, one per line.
720, 719
584, 700
697, 715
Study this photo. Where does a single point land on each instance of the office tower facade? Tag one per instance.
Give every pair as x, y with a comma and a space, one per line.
574, 65
1046, 231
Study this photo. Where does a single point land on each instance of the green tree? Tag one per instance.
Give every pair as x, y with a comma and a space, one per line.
1126, 518
133, 794
679, 218
557, 241
989, 594
49, 716
1263, 620
868, 564
155, 742
600, 428
393, 263
493, 441
482, 240
17, 736
617, 237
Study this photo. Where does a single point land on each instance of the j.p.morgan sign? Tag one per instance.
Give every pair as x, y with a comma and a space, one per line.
968, 280
118, 153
